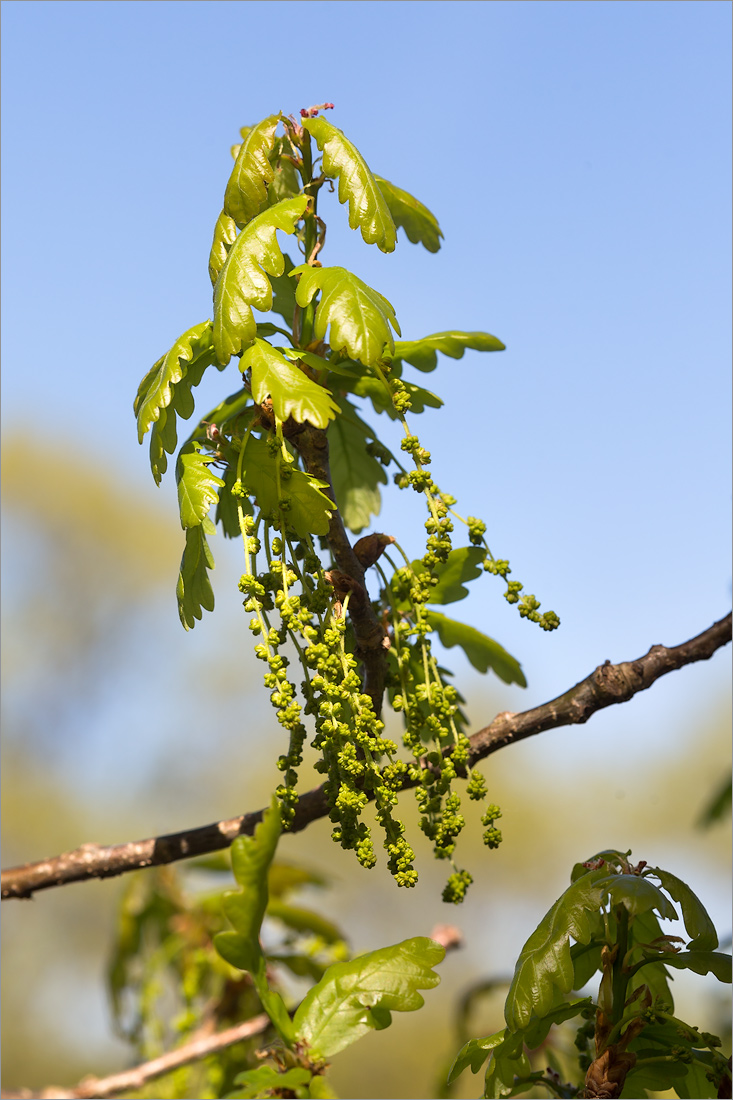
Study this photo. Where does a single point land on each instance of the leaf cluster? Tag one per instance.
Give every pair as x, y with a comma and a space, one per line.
607, 921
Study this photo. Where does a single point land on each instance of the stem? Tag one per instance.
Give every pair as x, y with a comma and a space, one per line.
620, 976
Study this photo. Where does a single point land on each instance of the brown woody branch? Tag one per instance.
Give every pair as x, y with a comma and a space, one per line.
97, 1088
607, 685
312, 445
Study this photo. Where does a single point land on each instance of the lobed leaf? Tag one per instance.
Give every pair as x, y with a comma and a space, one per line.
506, 1049
483, 652
374, 389
243, 280
286, 182
251, 859
356, 997
196, 487
474, 1053
638, 894
293, 393
697, 920
283, 292
420, 225
310, 509
545, 964
246, 189
355, 474
194, 590
225, 234
266, 1080
368, 209
462, 564
701, 962
165, 392
423, 354
359, 316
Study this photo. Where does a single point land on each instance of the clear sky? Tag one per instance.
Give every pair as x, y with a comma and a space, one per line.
577, 156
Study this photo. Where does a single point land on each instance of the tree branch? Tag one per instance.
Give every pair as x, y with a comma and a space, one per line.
312, 445
97, 1088
607, 685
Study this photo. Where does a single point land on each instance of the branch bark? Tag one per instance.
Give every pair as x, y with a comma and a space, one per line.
312, 444
97, 1088
608, 684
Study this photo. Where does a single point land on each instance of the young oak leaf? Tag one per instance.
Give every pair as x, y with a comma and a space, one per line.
194, 590
359, 316
483, 652
196, 487
356, 475
190, 355
697, 920
245, 909
246, 189
293, 393
420, 225
545, 964
308, 510
510, 1045
374, 389
225, 234
243, 280
165, 392
356, 997
368, 209
423, 353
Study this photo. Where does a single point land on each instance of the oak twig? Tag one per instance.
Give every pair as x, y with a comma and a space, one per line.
97, 1088
606, 685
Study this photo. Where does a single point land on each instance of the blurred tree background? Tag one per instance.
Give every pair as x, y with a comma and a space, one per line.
89, 611
577, 156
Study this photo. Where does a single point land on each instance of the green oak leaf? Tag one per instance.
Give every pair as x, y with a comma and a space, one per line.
225, 234
285, 182
420, 225
243, 280
374, 389
196, 486
359, 316
474, 1053
293, 393
368, 210
246, 190
462, 564
245, 909
701, 962
356, 997
423, 353
697, 921
355, 474
483, 652
227, 510
266, 1080
310, 509
165, 392
509, 1046
545, 966
194, 590
638, 894
283, 292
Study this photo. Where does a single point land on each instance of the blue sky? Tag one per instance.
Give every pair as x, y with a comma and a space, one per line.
577, 156
578, 159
